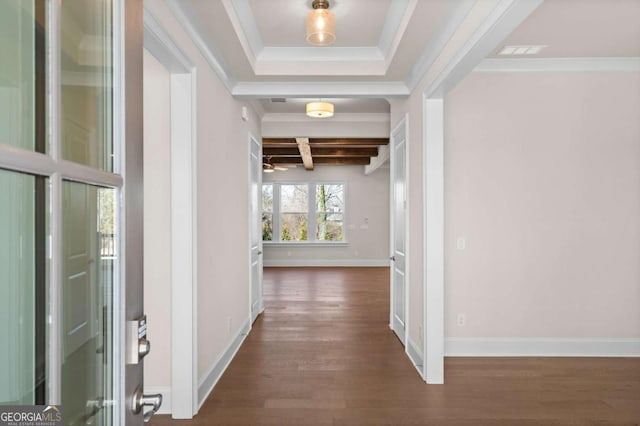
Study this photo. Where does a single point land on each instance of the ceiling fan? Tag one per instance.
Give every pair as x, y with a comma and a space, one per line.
268, 167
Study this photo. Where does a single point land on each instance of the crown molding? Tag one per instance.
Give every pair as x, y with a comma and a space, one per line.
188, 19
458, 11
342, 117
239, 12
341, 61
398, 17
558, 64
161, 45
505, 16
294, 89
364, 60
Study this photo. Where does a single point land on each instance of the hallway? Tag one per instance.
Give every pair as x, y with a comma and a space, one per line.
322, 354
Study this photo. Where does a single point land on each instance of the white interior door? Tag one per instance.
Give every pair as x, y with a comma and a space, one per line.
256, 227
398, 230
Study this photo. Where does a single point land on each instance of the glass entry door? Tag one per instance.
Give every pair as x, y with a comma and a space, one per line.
61, 310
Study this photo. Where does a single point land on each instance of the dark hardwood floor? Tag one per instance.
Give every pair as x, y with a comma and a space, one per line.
322, 354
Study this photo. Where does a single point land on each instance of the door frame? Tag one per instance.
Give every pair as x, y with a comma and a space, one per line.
258, 209
184, 242
404, 122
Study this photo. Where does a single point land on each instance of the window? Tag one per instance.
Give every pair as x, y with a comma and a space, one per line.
267, 212
329, 212
303, 212
294, 212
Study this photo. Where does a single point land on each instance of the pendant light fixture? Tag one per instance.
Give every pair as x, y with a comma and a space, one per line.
320, 109
321, 24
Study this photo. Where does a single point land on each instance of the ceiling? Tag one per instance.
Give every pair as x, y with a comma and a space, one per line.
383, 43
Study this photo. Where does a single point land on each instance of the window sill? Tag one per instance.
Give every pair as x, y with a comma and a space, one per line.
307, 244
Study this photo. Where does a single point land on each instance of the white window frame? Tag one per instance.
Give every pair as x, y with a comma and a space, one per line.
311, 215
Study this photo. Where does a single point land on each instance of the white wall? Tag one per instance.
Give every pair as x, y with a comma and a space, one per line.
367, 197
157, 220
542, 178
222, 204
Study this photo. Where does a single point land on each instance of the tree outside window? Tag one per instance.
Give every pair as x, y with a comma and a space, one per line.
303, 212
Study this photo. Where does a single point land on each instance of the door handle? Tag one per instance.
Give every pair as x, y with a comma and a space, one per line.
140, 400
393, 258
259, 252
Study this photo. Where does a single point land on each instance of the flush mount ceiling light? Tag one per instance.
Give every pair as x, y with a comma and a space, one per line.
321, 24
320, 109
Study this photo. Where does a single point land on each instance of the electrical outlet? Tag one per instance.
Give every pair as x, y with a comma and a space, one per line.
461, 243
421, 334
229, 324
462, 320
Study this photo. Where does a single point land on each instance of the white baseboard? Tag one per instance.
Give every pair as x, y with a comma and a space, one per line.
415, 355
579, 347
326, 262
165, 391
208, 382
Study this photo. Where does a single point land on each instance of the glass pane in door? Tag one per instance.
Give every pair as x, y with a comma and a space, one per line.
87, 75
22, 288
22, 67
90, 252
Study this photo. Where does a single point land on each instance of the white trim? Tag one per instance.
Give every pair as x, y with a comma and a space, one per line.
274, 117
297, 89
395, 26
255, 218
502, 20
433, 240
558, 64
184, 352
160, 44
367, 60
188, 18
210, 379
542, 346
283, 244
459, 10
401, 128
165, 391
194, 237
415, 355
292, 263
248, 35
183, 286
383, 157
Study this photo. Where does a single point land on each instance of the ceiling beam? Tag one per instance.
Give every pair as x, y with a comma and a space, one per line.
322, 152
305, 152
326, 142
325, 161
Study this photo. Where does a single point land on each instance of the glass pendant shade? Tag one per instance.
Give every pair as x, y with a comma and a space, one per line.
321, 27
320, 109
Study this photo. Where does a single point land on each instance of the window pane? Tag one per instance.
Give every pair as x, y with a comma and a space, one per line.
294, 198
267, 198
294, 227
86, 83
22, 288
267, 226
89, 254
329, 227
22, 66
329, 198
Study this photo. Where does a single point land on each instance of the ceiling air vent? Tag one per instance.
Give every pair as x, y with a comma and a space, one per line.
278, 100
